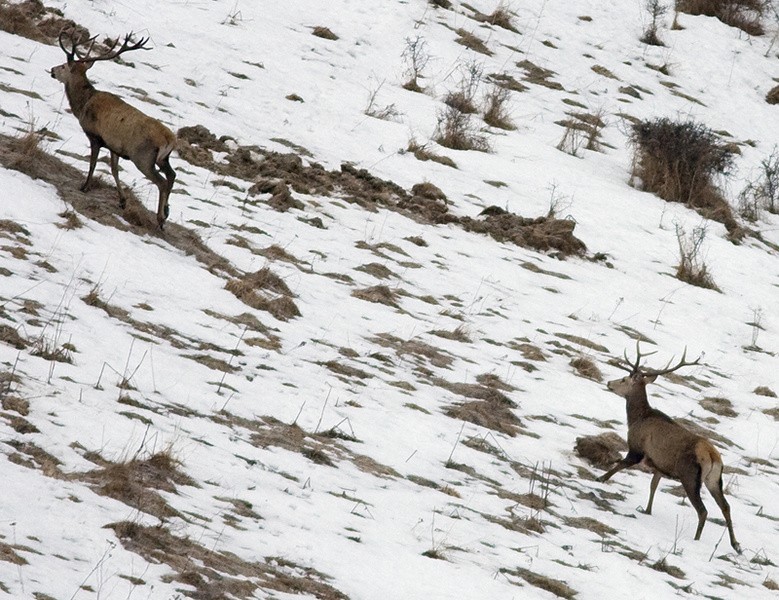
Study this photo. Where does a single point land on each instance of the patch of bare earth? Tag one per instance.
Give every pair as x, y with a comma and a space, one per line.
281, 174
101, 204
33, 20
221, 574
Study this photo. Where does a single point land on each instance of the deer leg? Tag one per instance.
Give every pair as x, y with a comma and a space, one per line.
652, 488
94, 149
149, 169
115, 173
715, 487
632, 458
692, 486
170, 175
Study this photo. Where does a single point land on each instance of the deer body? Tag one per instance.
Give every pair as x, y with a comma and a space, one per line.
668, 448
108, 121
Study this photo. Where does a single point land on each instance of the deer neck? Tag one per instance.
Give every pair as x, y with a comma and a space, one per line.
79, 90
637, 405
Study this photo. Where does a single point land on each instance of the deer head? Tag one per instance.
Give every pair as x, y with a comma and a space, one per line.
80, 60
638, 377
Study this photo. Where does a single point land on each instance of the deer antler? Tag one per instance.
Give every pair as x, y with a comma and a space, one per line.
668, 369
127, 46
633, 367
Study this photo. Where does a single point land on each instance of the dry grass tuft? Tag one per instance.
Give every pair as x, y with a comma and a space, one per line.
254, 289
490, 408
601, 450
324, 33
422, 152
554, 586
772, 97
743, 14
10, 335
137, 482
763, 390
380, 294
496, 112
218, 575
586, 367
471, 41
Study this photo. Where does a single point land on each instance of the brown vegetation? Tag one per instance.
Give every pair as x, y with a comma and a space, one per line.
743, 14
33, 20
264, 290
678, 160
601, 450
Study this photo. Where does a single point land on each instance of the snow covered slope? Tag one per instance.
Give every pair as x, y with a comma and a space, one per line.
172, 429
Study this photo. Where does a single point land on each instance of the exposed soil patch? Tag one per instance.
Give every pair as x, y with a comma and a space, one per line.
216, 574
33, 20
276, 174
101, 204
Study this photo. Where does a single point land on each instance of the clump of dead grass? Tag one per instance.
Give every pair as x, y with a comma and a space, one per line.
496, 112
264, 290
423, 152
138, 481
554, 586
472, 41
214, 574
601, 450
379, 294
324, 33
455, 130
746, 15
585, 367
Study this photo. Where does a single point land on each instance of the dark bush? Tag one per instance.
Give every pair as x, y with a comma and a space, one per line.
744, 14
678, 160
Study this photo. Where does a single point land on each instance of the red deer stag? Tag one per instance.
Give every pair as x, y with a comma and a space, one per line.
109, 121
667, 447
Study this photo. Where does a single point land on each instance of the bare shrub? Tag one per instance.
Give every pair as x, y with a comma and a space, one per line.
763, 192
464, 98
678, 160
656, 10
692, 267
455, 130
743, 14
416, 57
373, 109
496, 112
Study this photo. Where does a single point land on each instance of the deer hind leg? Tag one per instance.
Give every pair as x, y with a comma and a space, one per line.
692, 486
148, 167
170, 175
115, 173
714, 484
652, 488
632, 458
95, 143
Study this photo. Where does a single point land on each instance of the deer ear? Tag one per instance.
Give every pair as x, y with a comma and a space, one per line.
650, 378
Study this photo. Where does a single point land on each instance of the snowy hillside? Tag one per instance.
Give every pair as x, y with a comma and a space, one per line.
331, 376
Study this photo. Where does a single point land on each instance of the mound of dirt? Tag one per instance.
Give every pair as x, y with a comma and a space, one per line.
33, 20
280, 174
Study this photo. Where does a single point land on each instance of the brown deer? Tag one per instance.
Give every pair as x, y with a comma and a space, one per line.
667, 447
109, 121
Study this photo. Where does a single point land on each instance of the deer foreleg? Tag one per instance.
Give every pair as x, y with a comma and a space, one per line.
632, 458
94, 149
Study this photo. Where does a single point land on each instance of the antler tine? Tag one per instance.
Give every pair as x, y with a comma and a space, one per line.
85, 55
632, 367
70, 54
127, 46
682, 363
